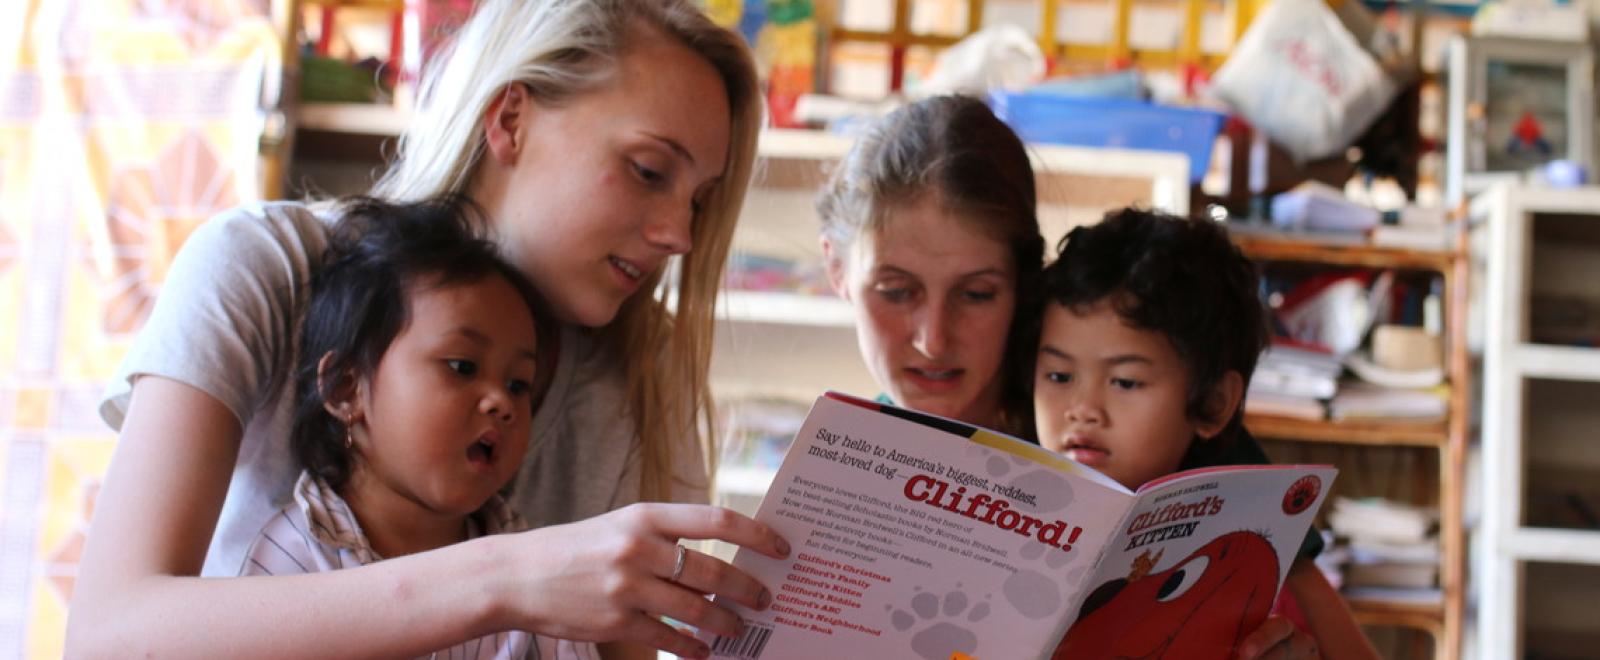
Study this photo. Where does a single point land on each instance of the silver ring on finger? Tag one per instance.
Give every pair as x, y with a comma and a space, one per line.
677, 566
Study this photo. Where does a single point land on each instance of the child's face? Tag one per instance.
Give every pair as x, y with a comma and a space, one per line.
1112, 396
447, 413
934, 299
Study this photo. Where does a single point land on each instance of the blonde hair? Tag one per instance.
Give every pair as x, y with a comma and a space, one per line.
559, 49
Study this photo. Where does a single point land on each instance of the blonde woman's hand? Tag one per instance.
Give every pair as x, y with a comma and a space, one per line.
609, 578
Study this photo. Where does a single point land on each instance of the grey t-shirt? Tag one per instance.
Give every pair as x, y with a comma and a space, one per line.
227, 323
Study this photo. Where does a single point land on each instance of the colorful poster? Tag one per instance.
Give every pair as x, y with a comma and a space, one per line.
123, 125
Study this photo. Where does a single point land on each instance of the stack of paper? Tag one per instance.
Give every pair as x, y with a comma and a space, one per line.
1283, 405
1293, 381
1391, 545
1319, 207
1412, 237
1414, 566
1381, 521
1420, 228
1364, 401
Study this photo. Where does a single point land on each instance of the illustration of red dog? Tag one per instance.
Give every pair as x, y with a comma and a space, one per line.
1200, 608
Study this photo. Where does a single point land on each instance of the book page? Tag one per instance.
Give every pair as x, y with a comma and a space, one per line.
1198, 562
919, 541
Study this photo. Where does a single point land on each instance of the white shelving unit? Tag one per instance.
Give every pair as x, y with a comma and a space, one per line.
1541, 403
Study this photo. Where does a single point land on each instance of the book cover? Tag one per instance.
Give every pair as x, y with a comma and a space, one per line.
920, 537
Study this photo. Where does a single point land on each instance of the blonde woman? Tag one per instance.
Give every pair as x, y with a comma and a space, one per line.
608, 141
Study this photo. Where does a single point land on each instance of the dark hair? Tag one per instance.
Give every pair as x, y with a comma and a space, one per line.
956, 147
377, 254
1180, 277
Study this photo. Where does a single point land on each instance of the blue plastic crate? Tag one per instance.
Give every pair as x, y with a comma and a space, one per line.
1117, 123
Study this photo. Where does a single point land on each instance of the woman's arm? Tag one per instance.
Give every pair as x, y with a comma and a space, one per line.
595, 580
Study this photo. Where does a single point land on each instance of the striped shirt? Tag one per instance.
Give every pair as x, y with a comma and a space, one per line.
319, 533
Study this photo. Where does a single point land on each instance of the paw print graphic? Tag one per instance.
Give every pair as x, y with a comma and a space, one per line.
943, 623
1036, 593
1035, 589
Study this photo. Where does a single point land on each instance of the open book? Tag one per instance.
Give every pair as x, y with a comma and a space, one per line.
919, 537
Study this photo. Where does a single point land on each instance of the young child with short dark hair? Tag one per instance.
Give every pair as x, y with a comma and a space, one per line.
1150, 331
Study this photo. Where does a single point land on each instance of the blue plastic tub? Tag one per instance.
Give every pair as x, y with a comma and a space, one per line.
1117, 123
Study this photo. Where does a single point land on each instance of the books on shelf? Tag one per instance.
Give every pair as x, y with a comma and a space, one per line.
1389, 545
1290, 356
1365, 550
1382, 521
1320, 207
1398, 575
1302, 382
1387, 564
1422, 228
1271, 381
1284, 405
1423, 238
918, 536
1364, 401
1292, 381
1405, 596
1294, 371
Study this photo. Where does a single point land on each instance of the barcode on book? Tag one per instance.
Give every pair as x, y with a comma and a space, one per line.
747, 645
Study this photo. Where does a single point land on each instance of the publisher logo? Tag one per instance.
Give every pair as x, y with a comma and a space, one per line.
1301, 494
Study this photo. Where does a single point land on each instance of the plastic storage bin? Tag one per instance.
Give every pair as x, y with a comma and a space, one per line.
1117, 123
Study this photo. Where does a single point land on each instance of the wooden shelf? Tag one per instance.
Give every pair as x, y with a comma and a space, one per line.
1380, 611
1370, 603
1279, 247
1440, 614
1412, 434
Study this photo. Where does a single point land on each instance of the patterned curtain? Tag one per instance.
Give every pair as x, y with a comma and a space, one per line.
123, 124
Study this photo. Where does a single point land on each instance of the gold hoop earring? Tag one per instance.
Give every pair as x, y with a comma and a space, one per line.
349, 436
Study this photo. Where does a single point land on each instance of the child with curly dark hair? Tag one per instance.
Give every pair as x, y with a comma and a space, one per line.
1150, 330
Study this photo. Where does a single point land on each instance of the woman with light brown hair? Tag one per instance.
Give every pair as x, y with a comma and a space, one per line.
609, 143
929, 230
